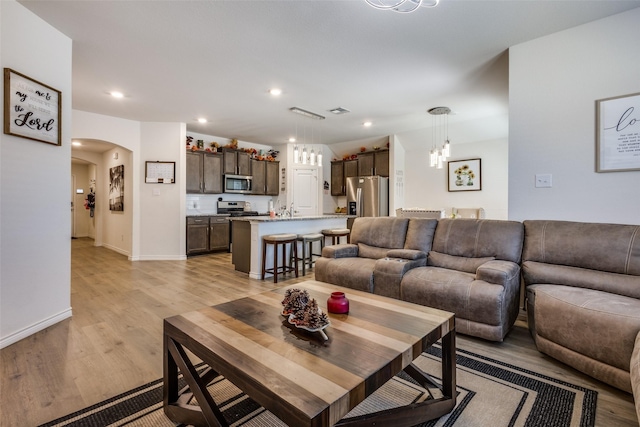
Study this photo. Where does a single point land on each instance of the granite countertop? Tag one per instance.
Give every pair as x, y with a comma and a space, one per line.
195, 212
295, 218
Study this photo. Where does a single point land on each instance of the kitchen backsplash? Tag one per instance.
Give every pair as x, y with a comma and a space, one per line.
208, 203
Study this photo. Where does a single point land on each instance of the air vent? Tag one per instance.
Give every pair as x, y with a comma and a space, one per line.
339, 110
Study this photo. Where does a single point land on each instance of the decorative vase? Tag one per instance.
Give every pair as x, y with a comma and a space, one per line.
338, 303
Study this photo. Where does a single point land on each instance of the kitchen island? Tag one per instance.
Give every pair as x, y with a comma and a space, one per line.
247, 235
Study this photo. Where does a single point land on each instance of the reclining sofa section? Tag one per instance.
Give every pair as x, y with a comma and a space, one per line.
583, 294
469, 267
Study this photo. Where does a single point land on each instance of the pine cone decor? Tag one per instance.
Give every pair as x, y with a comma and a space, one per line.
310, 317
295, 300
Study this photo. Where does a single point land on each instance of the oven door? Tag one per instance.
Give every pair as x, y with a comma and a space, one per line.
242, 184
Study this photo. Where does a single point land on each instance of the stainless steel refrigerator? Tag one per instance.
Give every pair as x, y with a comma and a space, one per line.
368, 195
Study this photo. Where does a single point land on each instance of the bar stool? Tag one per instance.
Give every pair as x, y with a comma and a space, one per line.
279, 240
308, 239
336, 234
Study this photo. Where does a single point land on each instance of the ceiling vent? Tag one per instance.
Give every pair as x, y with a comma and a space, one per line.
339, 110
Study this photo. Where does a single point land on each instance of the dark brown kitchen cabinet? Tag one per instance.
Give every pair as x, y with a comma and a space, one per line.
197, 235
204, 172
272, 178
373, 163
236, 162
194, 172
258, 171
340, 171
218, 234
207, 234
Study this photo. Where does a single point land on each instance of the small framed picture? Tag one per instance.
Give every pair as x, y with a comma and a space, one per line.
618, 134
465, 175
31, 109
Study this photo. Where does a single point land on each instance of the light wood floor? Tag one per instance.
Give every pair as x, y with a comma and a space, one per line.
113, 342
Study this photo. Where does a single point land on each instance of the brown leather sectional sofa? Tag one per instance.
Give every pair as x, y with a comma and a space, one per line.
582, 281
469, 267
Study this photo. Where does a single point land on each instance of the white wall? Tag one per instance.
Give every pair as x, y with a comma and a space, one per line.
162, 206
117, 226
35, 182
554, 84
426, 187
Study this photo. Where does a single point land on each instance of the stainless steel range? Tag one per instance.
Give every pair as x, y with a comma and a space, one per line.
236, 208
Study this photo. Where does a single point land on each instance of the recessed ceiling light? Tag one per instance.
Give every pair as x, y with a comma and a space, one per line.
76, 143
275, 91
117, 94
292, 139
367, 124
202, 120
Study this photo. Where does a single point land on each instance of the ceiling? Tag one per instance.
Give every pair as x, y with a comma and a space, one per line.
176, 61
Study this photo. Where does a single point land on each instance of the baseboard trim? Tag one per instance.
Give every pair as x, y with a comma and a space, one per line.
158, 258
36, 327
116, 249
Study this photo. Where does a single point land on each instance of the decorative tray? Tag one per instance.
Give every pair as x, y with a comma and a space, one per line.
320, 329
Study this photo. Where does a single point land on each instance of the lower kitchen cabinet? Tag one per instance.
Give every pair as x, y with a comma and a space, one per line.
207, 234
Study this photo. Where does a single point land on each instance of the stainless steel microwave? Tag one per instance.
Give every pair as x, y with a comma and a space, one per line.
242, 184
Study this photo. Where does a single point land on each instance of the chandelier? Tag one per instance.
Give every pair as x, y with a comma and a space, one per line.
304, 156
402, 6
440, 132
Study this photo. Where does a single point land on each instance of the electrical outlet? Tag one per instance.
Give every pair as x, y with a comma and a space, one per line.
543, 180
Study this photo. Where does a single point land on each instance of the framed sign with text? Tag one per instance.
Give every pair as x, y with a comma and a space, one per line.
31, 109
618, 134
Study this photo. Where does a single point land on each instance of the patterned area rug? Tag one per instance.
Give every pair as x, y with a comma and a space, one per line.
491, 393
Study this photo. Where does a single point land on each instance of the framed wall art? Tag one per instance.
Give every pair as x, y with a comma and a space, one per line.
465, 175
31, 109
618, 134
116, 188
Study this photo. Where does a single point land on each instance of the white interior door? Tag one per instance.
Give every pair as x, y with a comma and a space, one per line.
73, 208
305, 192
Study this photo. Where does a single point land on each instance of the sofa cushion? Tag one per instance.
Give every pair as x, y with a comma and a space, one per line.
469, 265
354, 273
622, 284
599, 325
420, 234
478, 238
606, 247
406, 254
635, 373
366, 251
381, 232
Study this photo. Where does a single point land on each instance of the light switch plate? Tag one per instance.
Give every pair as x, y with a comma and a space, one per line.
543, 180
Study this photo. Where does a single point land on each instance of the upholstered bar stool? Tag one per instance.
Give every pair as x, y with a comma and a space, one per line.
336, 234
279, 240
308, 239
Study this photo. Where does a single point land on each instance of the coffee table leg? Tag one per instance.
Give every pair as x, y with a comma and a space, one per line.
175, 408
417, 413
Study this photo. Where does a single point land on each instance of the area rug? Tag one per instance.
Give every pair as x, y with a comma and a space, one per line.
491, 393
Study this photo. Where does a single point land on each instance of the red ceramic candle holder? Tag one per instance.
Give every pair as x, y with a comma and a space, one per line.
338, 303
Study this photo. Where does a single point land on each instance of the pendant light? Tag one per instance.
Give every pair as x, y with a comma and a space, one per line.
439, 128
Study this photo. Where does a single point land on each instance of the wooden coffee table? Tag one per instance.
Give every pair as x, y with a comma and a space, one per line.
299, 377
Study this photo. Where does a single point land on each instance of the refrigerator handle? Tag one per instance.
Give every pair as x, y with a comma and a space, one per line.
359, 202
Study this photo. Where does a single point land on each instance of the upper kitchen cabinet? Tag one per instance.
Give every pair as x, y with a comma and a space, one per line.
194, 172
204, 172
236, 162
373, 163
272, 184
212, 173
340, 171
258, 170
265, 177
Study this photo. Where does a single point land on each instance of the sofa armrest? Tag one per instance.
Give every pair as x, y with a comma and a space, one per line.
345, 250
499, 272
410, 254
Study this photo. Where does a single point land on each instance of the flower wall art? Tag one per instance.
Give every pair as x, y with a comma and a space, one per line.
465, 175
